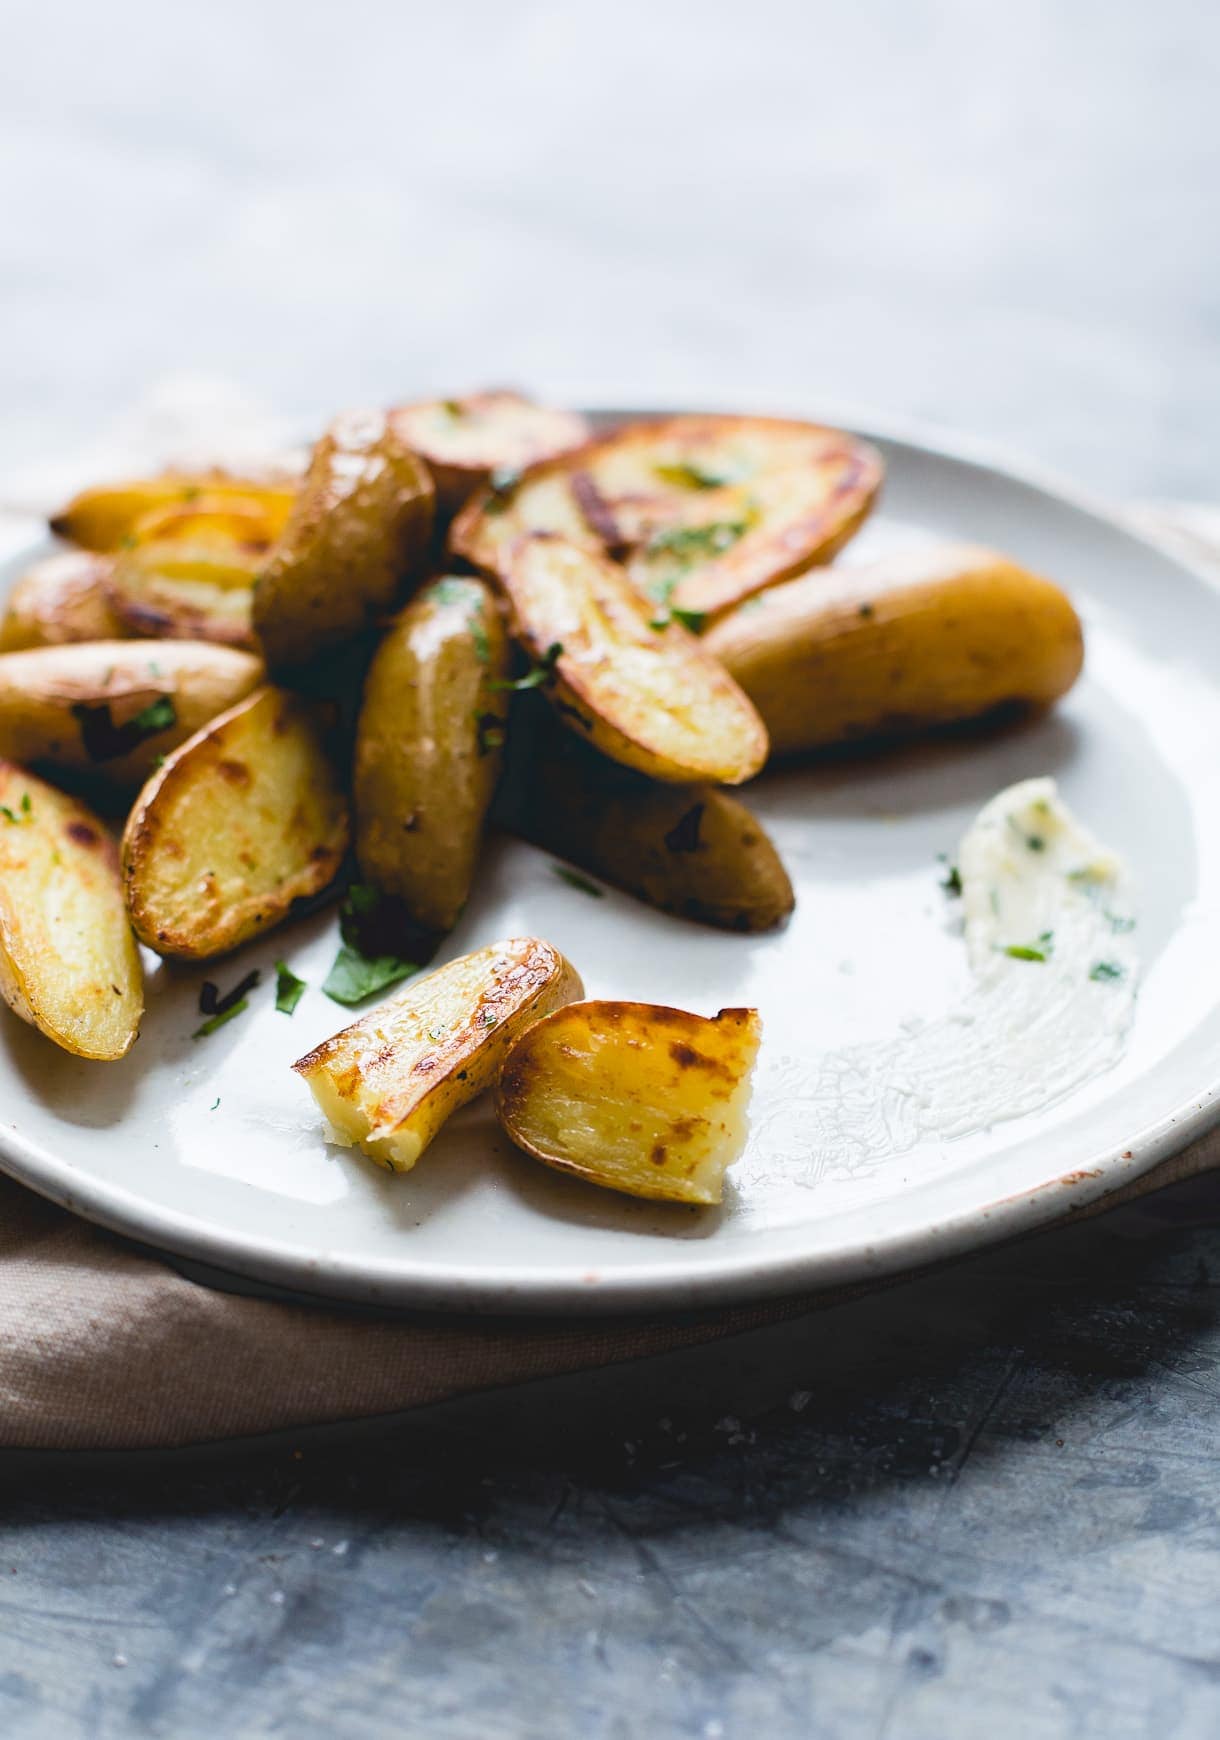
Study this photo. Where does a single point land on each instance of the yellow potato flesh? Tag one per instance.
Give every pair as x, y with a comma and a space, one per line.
68, 961
642, 1099
388, 1082
648, 697
241, 821
107, 516
186, 591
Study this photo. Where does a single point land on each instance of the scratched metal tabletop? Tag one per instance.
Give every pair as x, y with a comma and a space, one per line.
983, 1502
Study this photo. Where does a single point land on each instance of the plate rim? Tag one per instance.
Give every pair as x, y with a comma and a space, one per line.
738, 1275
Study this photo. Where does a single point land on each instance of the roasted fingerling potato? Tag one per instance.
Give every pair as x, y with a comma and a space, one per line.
245, 818
356, 539
703, 511
61, 599
465, 441
388, 1083
639, 688
179, 590
114, 708
108, 516
912, 641
639, 1098
691, 850
68, 961
429, 744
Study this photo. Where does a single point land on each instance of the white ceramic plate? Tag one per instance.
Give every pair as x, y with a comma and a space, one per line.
212, 1149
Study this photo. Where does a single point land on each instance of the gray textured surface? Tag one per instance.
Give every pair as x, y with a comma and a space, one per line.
982, 1503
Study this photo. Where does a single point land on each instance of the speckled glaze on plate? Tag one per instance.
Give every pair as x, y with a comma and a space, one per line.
213, 1149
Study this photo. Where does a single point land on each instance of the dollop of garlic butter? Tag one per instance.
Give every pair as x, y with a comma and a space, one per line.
1048, 926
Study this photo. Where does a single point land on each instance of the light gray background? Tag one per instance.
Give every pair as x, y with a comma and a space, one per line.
982, 1504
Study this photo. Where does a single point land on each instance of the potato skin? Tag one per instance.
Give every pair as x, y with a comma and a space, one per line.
358, 531
68, 961
77, 707
429, 746
691, 850
900, 645
60, 600
105, 516
241, 821
463, 441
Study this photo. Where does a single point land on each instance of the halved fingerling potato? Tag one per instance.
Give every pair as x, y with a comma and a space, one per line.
61, 599
106, 516
639, 1098
463, 441
186, 591
703, 510
691, 850
114, 708
429, 744
641, 690
219, 521
388, 1083
358, 534
68, 961
241, 821
909, 642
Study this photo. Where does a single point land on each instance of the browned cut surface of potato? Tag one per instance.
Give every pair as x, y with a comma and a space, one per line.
214, 521
640, 689
691, 850
68, 961
901, 645
61, 599
106, 516
389, 1082
464, 441
429, 745
113, 708
242, 820
180, 590
358, 533
643, 1099
703, 511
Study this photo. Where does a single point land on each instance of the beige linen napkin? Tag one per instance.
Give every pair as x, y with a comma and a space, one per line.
103, 1345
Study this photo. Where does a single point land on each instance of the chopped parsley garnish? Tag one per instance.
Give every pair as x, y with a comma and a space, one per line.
1105, 972
1035, 842
1119, 923
501, 484
212, 1003
355, 976
952, 881
690, 544
25, 808
1028, 952
221, 1016
288, 988
491, 732
574, 879
542, 671
451, 407
694, 620
690, 474
103, 740
489, 1020
449, 591
159, 715
478, 634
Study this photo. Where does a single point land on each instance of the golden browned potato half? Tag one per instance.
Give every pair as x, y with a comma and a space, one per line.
639, 1098
223, 522
242, 820
114, 708
358, 533
641, 690
180, 590
387, 1083
691, 850
68, 961
703, 511
465, 440
107, 516
429, 745
900, 645
61, 599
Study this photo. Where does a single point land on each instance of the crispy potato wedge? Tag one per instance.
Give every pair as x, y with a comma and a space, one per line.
68, 961
643, 692
358, 533
61, 599
900, 645
703, 511
429, 745
242, 820
691, 850
113, 707
186, 591
106, 517
639, 1098
388, 1083
463, 441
